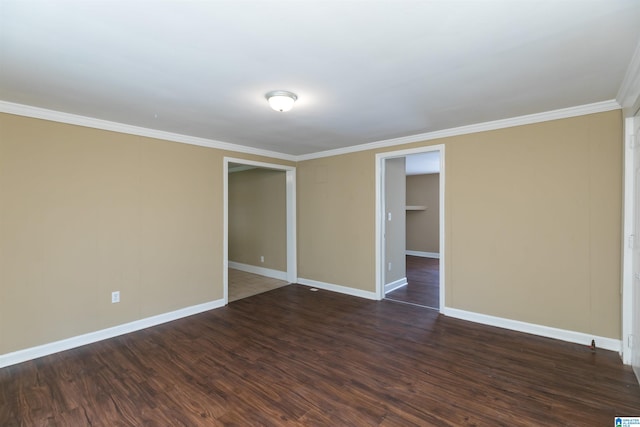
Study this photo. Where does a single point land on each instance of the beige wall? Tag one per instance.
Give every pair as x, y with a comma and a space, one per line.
423, 226
532, 222
258, 218
534, 215
85, 212
532, 225
336, 221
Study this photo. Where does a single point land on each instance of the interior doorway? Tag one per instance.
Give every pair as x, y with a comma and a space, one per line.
255, 255
422, 282
422, 246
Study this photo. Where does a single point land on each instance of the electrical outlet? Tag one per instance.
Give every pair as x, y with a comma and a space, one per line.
261, 258
115, 297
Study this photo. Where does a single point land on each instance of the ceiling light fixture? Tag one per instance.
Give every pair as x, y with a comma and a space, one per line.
281, 100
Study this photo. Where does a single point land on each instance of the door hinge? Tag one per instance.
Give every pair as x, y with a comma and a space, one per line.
630, 341
632, 142
632, 241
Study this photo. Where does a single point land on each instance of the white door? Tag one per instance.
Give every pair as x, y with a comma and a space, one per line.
635, 326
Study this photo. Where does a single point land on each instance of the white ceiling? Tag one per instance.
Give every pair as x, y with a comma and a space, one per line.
364, 71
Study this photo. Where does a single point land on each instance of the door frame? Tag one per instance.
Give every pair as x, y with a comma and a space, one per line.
292, 250
380, 223
630, 240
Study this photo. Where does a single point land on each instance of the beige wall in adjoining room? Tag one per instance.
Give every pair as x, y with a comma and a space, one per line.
258, 218
84, 212
423, 226
532, 226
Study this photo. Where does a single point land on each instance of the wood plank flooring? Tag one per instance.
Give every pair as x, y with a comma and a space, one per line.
294, 357
423, 288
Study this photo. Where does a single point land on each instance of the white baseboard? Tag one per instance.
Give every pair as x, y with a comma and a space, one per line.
20, 356
531, 328
395, 285
338, 288
80, 340
267, 272
423, 254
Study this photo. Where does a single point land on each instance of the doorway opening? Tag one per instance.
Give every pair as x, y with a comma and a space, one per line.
259, 241
410, 226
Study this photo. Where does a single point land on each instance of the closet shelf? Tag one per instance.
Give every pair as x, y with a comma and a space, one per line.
416, 208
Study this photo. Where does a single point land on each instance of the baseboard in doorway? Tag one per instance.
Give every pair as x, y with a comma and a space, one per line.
266, 272
435, 255
389, 287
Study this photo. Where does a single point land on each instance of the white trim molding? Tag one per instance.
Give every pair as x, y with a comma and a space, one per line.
534, 329
92, 337
338, 288
267, 272
630, 86
90, 122
628, 237
390, 287
564, 113
435, 255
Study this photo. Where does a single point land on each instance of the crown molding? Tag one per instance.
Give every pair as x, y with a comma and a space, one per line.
90, 122
597, 107
57, 116
629, 93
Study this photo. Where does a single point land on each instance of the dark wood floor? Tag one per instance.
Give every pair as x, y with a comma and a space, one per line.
295, 357
423, 288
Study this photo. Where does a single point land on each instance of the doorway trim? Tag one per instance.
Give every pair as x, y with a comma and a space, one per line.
292, 263
629, 239
380, 223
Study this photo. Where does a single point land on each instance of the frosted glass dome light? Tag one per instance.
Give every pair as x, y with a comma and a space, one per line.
281, 100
